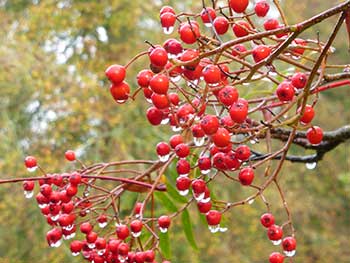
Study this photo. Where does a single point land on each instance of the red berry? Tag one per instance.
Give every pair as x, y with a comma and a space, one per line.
123, 249
189, 32
239, 111
204, 207
198, 186
166, 9
276, 257
285, 91
261, 8
314, 135
204, 163
289, 244
261, 52
164, 221
163, 149
221, 138
238, 50
231, 161
86, 228
67, 207
183, 183
100, 243
167, 20
172, 46
113, 245
208, 15
91, 237
174, 98
190, 55
144, 77
308, 115
175, 140
212, 74
299, 42
221, 25
246, 176
115, 73
219, 161
120, 92
76, 246
136, 226
197, 131
53, 237
154, 116
183, 167
213, 217
210, 124
159, 83
46, 190
149, 256
160, 101
242, 152
267, 220
122, 232
228, 95
30, 162
182, 150
239, 6
28, 185
75, 178
241, 28
274, 232
158, 57
271, 24
71, 190
299, 80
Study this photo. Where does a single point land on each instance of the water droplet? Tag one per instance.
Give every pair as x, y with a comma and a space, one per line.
33, 169
28, 194
251, 201
136, 234
102, 225
245, 84
120, 101
69, 228
206, 200
214, 229
163, 229
311, 166
176, 78
56, 244
289, 253
208, 24
164, 158
148, 100
168, 30
223, 229
55, 217
74, 254
122, 259
213, 85
205, 171
41, 206
165, 121
199, 197
253, 141
91, 245
296, 57
272, 73
175, 128
199, 141
276, 242
184, 192
101, 251
183, 175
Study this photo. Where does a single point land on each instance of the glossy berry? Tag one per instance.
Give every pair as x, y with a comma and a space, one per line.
219, 161
246, 176
175, 140
122, 232
262, 8
309, 114
164, 221
213, 217
239, 6
149, 255
221, 25
144, 77
189, 33
276, 257
285, 91
183, 167
173, 46
28, 185
261, 52
70, 155
54, 236
241, 28
116, 73
166, 9
228, 95
190, 55
198, 186
204, 163
211, 74
238, 49
275, 232
86, 228
204, 207
76, 246
221, 138
289, 244
183, 183
167, 19
271, 24
120, 92
299, 80
231, 161
267, 220
159, 84
182, 150
197, 131
239, 111
299, 50
158, 57
210, 124
208, 15
154, 116
123, 249
163, 149
314, 135
30, 162
160, 101
242, 152
75, 178
136, 226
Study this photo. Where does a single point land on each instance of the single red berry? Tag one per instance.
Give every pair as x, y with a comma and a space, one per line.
204, 163
246, 176
221, 25
167, 19
221, 138
120, 92
267, 220
197, 131
144, 77
68, 207
76, 246
136, 226
57, 179
271, 24
228, 95
314, 135
261, 52
189, 32
198, 186
164, 221
183, 183
210, 124
154, 116
122, 232
183, 167
100, 243
139, 257
182, 150
149, 256
30, 162
91, 237
208, 15
219, 161
231, 161
123, 249
158, 57
212, 74
55, 197
241, 28
285, 91
46, 190
299, 80
175, 140
299, 50
116, 73
71, 190
226, 121
262, 8
242, 152
159, 84
173, 46
163, 149
274, 232
86, 228
238, 50
174, 98
204, 207
213, 217
190, 55
160, 101
308, 115
239, 6
53, 237
75, 178
28, 185
276, 257
289, 244
239, 111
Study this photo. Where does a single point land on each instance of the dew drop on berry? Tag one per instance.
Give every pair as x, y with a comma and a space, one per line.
311, 166
251, 201
175, 128
184, 192
206, 200
91, 245
289, 253
28, 194
100, 252
55, 217
74, 254
69, 227
32, 169
148, 100
214, 228
223, 229
122, 259
41, 206
165, 121
208, 24
56, 244
199, 141
102, 225
205, 172
121, 101
136, 234
296, 57
176, 78
168, 30
163, 229
276, 242
199, 197
163, 158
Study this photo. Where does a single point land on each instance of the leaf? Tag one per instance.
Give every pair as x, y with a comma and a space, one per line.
166, 201
174, 194
164, 244
187, 226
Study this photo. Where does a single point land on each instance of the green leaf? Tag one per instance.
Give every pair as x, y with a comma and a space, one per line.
174, 194
164, 244
187, 226
166, 201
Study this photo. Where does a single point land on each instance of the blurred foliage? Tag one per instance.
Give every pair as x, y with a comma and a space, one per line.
53, 96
